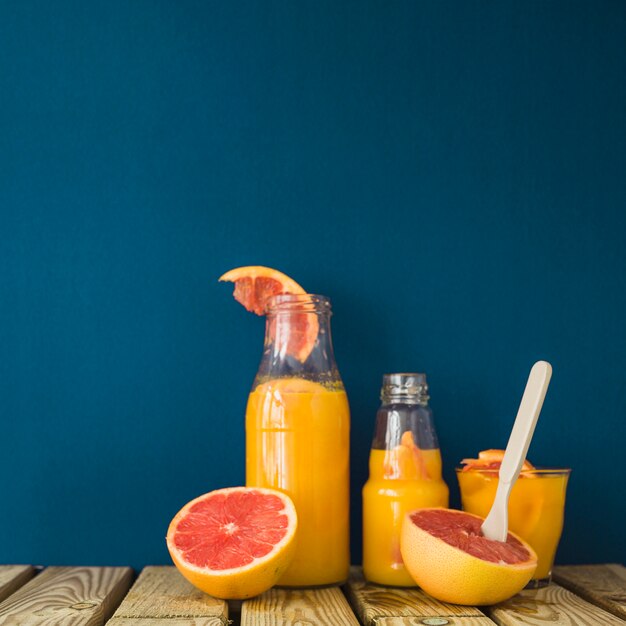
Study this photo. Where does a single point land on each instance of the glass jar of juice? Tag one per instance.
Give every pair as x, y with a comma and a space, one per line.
405, 474
536, 507
298, 435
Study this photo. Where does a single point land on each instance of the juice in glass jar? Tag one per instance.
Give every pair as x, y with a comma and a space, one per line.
298, 436
404, 474
536, 507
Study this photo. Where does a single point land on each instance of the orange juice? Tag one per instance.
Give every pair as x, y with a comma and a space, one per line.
536, 507
298, 441
401, 479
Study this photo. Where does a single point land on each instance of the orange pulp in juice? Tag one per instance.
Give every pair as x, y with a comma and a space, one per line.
401, 479
298, 441
536, 507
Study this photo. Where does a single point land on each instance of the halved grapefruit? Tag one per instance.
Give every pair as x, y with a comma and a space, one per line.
255, 285
447, 556
490, 460
234, 543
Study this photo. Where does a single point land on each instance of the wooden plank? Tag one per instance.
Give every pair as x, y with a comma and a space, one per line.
602, 585
12, 577
166, 621
431, 621
162, 595
67, 596
313, 607
394, 606
552, 605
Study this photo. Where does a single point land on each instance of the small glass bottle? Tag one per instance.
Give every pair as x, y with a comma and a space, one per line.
405, 474
298, 435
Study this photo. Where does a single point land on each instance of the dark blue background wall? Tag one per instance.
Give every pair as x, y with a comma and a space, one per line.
451, 174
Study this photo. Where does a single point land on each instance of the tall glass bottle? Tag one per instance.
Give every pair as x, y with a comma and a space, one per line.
405, 474
298, 435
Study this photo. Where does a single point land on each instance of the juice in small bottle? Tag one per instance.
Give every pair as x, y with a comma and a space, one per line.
405, 474
298, 436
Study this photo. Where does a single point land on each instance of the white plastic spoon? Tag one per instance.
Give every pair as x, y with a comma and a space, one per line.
496, 524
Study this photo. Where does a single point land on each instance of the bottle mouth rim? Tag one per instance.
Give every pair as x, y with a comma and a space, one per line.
404, 386
404, 378
303, 302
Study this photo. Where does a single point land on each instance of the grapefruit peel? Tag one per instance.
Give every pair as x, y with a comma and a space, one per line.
449, 572
255, 526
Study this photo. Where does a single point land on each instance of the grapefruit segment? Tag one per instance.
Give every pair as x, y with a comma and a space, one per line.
254, 287
234, 543
256, 284
490, 460
447, 556
405, 461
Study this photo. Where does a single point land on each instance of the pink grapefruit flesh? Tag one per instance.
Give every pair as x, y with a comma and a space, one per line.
464, 532
231, 530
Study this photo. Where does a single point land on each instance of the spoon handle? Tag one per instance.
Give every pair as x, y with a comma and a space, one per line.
525, 422
495, 525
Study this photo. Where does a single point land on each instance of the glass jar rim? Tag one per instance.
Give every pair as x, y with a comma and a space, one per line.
542, 471
302, 302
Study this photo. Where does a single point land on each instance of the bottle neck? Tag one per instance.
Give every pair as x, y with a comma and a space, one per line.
407, 388
404, 419
298, 341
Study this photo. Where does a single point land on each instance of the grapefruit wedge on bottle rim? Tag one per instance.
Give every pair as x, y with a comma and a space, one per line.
234, 543
448, 557
255, 285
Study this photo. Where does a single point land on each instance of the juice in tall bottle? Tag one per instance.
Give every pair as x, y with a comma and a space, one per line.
405, 474
298, 435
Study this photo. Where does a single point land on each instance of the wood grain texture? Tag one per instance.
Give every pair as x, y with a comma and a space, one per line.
432, 621
551, 605
298, 607
67, 596
166, 621
12, 577
161, 593
374, 603
602, 585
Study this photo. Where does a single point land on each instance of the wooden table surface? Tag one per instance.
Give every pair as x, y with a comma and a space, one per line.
91, 596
